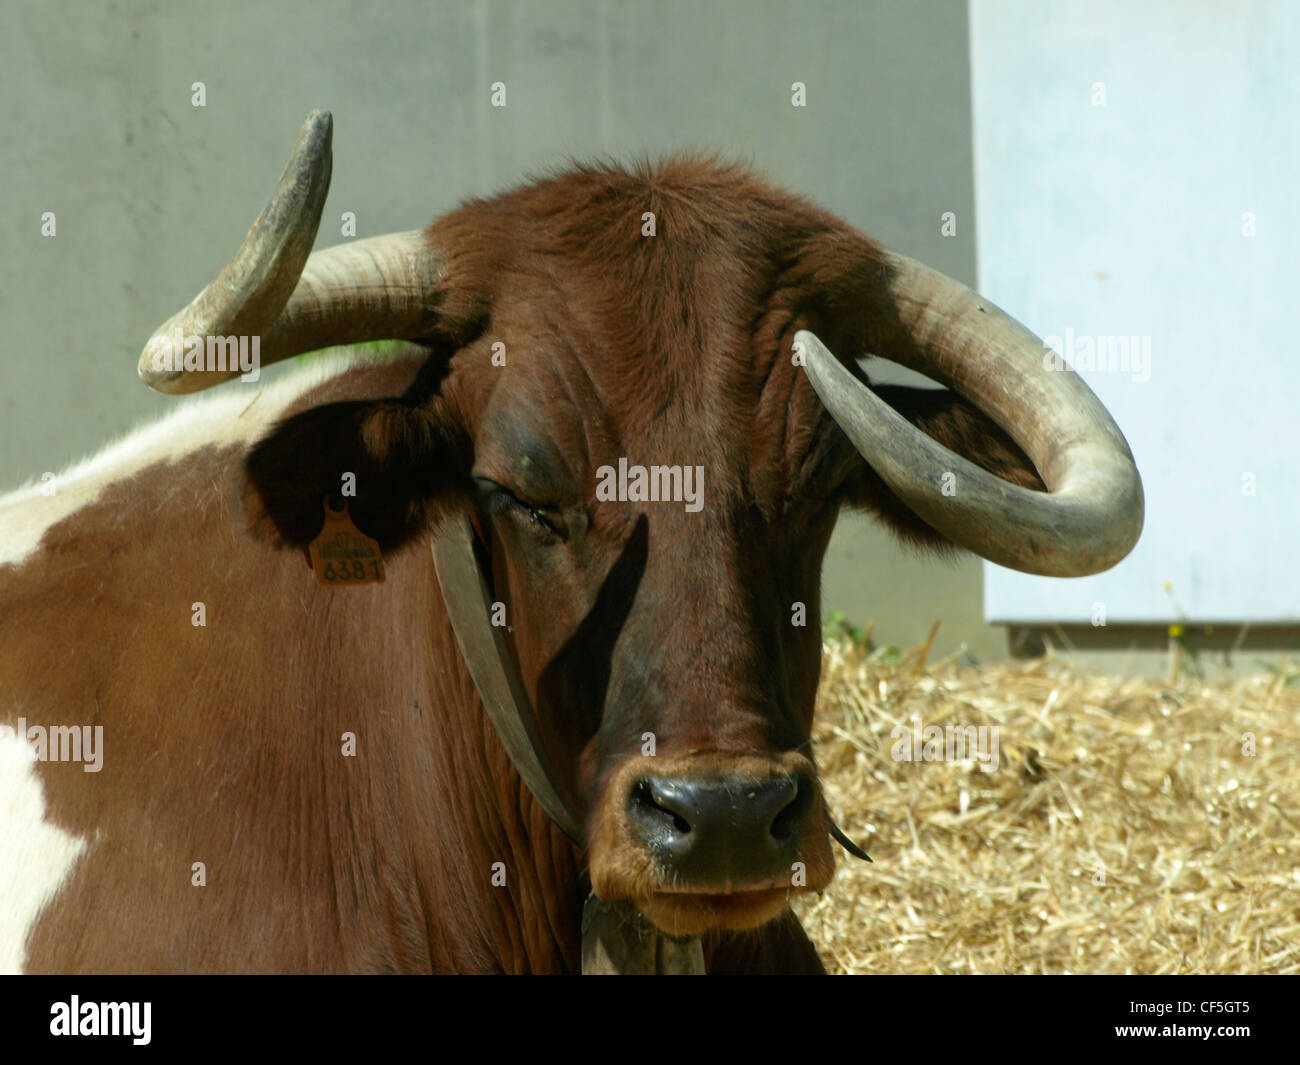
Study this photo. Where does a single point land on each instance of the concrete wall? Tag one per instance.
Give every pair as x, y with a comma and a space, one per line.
1142, 195
1139, 205
151, 194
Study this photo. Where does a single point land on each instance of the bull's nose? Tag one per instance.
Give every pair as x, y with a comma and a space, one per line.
721, 833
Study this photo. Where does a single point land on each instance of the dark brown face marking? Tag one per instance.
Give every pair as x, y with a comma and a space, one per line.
689, 626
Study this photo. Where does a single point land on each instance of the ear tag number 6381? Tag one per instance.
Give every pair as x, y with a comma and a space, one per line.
342, 555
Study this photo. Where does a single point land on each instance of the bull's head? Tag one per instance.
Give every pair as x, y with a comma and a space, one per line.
687, 629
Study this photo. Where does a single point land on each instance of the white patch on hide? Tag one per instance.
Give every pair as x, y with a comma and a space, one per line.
35, 856
231, 414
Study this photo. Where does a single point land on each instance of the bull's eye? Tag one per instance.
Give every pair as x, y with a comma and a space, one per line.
500, 499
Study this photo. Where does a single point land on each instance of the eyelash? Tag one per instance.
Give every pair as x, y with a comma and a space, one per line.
503, 499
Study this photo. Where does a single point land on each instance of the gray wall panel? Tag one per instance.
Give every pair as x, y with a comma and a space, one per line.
152, 194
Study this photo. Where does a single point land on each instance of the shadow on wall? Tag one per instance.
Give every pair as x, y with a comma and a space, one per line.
1197, 650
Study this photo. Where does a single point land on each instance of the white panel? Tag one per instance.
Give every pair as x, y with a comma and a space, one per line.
1126, 219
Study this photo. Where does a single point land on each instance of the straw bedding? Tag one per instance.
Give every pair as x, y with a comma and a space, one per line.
1130, 826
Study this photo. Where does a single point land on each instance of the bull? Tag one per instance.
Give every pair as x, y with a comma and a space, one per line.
571, 725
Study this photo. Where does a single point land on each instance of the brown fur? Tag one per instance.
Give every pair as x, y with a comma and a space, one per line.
625, 618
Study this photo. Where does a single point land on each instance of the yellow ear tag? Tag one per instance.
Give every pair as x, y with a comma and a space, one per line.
342, 554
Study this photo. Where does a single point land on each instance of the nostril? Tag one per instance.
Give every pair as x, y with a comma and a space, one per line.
785, 825
721, 830
652, 807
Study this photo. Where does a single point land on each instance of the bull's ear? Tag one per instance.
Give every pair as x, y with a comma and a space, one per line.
396, 456
959, 426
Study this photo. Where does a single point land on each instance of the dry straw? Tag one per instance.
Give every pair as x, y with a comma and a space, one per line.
1130, 826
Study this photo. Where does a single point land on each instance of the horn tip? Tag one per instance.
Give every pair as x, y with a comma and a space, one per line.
319, 120
168, 382
315, 137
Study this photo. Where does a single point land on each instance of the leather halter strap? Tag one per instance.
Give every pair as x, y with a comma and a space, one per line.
469, 606
616, 939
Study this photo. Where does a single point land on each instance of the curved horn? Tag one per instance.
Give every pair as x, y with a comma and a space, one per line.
1092, 513
275, 289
